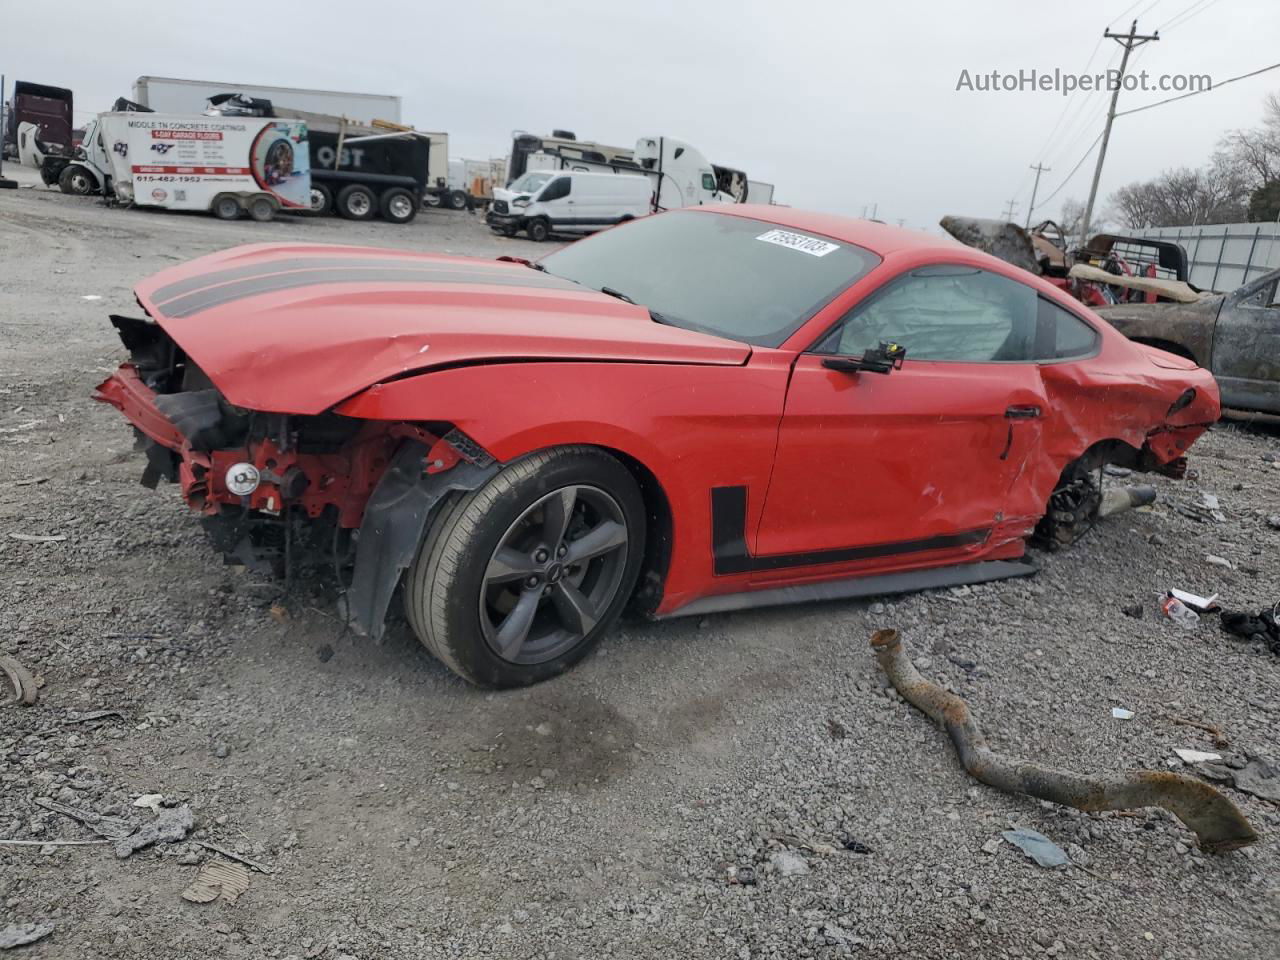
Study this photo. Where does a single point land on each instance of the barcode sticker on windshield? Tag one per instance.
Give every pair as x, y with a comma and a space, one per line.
798, 241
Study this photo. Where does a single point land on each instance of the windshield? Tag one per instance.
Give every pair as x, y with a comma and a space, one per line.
732, 276
529, 182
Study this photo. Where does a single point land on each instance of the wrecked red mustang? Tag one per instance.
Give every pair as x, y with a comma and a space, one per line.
697, 411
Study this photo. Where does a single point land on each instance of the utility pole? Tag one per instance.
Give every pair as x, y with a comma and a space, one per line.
5, 183
1009, 206
1039, 168
1130, 41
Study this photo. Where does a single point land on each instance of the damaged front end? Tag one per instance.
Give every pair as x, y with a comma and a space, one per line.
280, 493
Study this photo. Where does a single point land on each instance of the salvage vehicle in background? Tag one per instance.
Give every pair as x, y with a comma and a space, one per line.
228, 166
48, 110
702, 410
1234, 335
572, 203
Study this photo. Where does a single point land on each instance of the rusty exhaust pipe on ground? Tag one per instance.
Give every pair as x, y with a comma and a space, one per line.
1217, 823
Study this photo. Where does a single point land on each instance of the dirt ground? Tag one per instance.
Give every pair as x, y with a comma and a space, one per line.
403, 814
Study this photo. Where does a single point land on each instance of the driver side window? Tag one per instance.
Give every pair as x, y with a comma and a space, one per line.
956, 313
557, 188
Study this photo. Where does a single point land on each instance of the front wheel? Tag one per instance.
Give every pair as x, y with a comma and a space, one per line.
76, 180
538, 229
515, 582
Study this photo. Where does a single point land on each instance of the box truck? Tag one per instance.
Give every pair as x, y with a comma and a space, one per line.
681, 175
228, 166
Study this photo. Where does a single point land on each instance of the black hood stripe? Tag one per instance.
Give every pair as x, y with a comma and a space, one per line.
231, 292
178, 288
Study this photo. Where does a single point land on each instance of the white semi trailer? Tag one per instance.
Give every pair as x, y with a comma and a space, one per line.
171, 95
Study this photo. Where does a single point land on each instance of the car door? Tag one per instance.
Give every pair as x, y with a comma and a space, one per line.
1246, 346
556, 202
875, 469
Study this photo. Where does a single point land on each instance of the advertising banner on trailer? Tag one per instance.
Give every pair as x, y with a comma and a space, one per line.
184, 162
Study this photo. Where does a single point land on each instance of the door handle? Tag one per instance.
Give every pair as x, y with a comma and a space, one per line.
1016, 412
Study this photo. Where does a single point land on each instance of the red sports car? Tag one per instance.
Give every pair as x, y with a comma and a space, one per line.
697, 411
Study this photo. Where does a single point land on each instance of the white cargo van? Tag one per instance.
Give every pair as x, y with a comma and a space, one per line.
570, 202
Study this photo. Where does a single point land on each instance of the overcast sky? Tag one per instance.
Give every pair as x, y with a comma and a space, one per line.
840, 104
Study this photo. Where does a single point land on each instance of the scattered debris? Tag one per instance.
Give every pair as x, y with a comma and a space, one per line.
1037, 846
234, 856
1120, 713
324, 652
1132, 610
111, 828
1218, 561
19, 428
21, 935
38, 538
218, 879
90, 296
1195, 756
1260, 778
169, 826
746, 876
1217, 823
94, 715
1180, 613
21, 681
789, 864
149, 801
854, 846
31, 481
1261, 628
837, 730
1119, 499
51, 843
1219, 738
1273, 521
280, 613
1195, 601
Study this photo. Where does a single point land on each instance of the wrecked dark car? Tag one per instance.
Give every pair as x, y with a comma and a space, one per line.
1234, 335
697, 411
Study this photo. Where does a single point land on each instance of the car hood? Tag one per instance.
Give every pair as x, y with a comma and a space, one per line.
296, 329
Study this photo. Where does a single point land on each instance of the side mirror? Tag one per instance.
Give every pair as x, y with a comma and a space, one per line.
884, 358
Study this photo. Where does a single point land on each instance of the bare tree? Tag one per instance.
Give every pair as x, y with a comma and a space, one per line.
1183, 197
1254, 155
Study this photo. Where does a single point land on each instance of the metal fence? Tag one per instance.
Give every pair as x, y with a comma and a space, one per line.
1223, 256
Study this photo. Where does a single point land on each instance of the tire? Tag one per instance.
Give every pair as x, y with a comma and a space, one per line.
538, 229
433, 200
458, 200
321, 199
262, 209
357, 202
462, 610
76, 180
225, 207
398, 205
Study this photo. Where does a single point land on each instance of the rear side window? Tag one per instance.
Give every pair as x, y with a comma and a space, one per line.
1061, 335
557, 188
956, 313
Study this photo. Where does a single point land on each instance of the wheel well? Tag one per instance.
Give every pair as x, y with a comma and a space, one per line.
1168, 346
1104, 451
658, 535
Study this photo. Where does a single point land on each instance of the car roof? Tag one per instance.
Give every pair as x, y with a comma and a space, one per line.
879, 238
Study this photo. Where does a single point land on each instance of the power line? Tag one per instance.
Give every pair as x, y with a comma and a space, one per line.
1181, 13
1196, 93
1177, 23
1115, 20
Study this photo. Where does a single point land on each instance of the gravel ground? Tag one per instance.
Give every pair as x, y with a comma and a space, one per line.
403, 814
